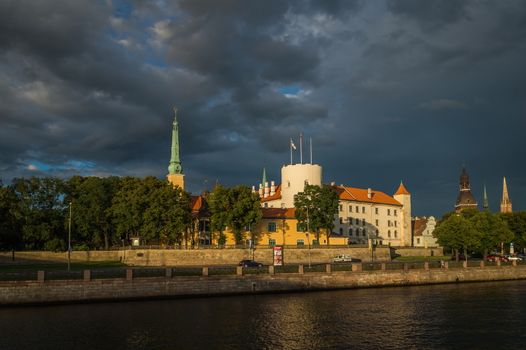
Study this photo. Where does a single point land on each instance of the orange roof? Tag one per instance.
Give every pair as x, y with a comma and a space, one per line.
401, 189
278, 213
360, 195
276, 195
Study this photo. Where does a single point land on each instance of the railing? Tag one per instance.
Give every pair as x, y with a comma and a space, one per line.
169, 272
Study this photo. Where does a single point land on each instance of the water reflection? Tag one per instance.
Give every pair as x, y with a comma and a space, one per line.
432, 317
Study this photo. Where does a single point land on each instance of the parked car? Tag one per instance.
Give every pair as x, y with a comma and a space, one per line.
514, 257
496, 257
342, 258
250, 263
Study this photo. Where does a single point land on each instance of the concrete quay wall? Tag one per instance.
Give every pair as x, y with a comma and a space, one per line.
200, 257
60, 291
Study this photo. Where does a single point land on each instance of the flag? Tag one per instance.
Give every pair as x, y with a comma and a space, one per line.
292, 144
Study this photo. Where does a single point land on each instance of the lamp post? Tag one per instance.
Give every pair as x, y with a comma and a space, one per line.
69, 238
308, 236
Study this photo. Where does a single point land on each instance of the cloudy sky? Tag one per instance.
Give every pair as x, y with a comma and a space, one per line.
388, 90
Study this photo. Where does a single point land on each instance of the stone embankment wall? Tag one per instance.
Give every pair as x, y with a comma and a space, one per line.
410, 251
200, 257
87, 290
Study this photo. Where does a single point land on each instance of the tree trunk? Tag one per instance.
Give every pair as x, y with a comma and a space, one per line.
456, 255
466, 254
106, 241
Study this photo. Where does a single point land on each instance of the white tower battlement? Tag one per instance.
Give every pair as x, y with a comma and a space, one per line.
293, 180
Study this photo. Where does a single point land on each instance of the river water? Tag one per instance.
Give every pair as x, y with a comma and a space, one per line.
455, 316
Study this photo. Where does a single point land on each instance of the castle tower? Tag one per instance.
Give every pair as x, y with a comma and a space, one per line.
505, 203
175, 170
465, 199
485, 202
403, 196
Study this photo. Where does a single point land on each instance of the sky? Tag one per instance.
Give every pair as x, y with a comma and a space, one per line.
388, 91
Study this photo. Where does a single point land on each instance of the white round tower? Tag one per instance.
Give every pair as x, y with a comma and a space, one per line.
293, 180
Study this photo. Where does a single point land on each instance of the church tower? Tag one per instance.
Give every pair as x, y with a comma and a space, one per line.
505, 203
465, 199
175, 170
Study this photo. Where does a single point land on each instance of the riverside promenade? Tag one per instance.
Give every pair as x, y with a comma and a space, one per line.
136, 284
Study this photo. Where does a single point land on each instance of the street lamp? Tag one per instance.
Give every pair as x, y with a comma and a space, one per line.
69, 238
308, 236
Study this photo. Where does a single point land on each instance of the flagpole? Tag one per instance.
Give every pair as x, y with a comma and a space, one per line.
290, 145
311, 150
301, 148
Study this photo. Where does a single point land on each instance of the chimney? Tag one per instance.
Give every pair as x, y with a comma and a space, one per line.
369, 193
267, 190
272, 188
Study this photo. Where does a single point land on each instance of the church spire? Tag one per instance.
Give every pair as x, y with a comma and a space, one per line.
175, 170
264, 178
175, 162
485, 204
465, 199
505, 203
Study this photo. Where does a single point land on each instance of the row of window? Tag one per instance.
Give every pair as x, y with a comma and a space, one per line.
363, 222
376, 210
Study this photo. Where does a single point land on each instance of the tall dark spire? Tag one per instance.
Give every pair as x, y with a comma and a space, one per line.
465, 199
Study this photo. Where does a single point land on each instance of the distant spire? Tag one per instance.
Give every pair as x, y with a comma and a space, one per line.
505, 203
485, 202
175, 162
264, 178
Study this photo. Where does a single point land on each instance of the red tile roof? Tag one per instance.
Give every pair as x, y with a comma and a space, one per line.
276, 195
360, 195
278, 213
401, 189
419, 225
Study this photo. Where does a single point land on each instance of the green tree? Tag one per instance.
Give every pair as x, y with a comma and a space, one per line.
245, 212
9, 220
315, 209
91, 199
219, 204
127, 207
457, 233
492, 230
42, 212
517, 224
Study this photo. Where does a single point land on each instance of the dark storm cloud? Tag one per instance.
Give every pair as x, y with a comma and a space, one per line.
388, 90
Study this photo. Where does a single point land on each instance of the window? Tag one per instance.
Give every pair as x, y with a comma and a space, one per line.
265, 205
301, 227
357, 221
357, 209
389, 223
349, 220
376, 211
300, 242
363, 222
395, 223
396, 234
350, 208
364, 232
395, 212
418, 241
341, 207
271, 242
389, 233
377, 222
388, 211
341, 231
341, 220
350, 232
272, 226
377, 233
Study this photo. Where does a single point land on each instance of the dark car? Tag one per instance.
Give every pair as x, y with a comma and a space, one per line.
250, 263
